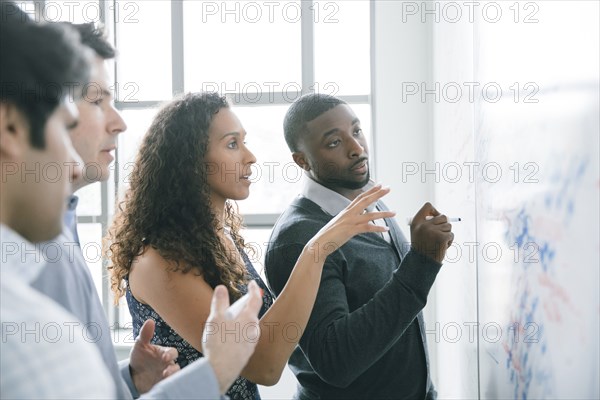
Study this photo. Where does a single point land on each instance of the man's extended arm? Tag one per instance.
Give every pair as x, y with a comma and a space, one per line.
341, 345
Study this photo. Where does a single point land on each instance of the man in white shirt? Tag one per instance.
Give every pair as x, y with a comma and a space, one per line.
35, 334
34, 137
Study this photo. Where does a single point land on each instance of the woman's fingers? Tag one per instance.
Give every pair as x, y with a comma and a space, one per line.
361, 196
353, 220
372, 216
370, 196
368, 227
356, 219
364, 200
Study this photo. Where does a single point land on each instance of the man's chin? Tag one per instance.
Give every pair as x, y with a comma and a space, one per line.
351, 184
90, 176
357, 185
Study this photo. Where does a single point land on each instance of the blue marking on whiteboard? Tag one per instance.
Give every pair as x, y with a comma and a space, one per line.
570, 207
527, 361
581, 169
529, 315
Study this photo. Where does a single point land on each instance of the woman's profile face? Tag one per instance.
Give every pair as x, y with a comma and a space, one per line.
228, 160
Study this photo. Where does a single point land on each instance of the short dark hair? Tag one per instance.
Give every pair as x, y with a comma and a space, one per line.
40, 65
11, 12
305, 109
95, 38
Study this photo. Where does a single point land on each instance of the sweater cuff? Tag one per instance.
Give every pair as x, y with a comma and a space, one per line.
126, 375
418, 272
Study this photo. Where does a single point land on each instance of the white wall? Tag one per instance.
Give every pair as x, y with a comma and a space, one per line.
401, 54
456, 329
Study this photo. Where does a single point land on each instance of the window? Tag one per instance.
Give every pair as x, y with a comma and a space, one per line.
143, 75
241, 47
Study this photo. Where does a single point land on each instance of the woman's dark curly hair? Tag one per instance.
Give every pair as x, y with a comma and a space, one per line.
168, 205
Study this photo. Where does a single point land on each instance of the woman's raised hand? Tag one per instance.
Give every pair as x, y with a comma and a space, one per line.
353, 220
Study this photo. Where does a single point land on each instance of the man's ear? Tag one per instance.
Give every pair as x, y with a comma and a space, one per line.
14, 131
300, 159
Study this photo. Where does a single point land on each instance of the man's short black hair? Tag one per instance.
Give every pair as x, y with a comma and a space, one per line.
11, 12
40, 65
303, 110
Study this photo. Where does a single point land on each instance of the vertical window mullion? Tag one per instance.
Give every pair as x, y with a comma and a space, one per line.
177, 47
372, 96
108, 20
39, 9
308, 47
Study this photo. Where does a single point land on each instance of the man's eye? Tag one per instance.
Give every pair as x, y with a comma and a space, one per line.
232, 145
334, 143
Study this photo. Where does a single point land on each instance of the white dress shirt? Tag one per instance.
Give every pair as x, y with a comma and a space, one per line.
41, 354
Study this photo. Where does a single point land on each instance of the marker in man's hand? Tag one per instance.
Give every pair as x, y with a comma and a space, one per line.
427, 218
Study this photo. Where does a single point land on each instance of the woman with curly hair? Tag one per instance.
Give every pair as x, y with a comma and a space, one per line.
176, 237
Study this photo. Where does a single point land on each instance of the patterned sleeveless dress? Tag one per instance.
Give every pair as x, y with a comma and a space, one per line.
164, 335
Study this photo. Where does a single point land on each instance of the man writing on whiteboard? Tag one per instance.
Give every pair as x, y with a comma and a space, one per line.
366, 336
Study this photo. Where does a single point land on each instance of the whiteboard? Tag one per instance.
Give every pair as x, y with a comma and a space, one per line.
531, 211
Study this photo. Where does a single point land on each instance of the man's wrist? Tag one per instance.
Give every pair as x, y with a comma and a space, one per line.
126, 374
222, 374
431, 255
133, 377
